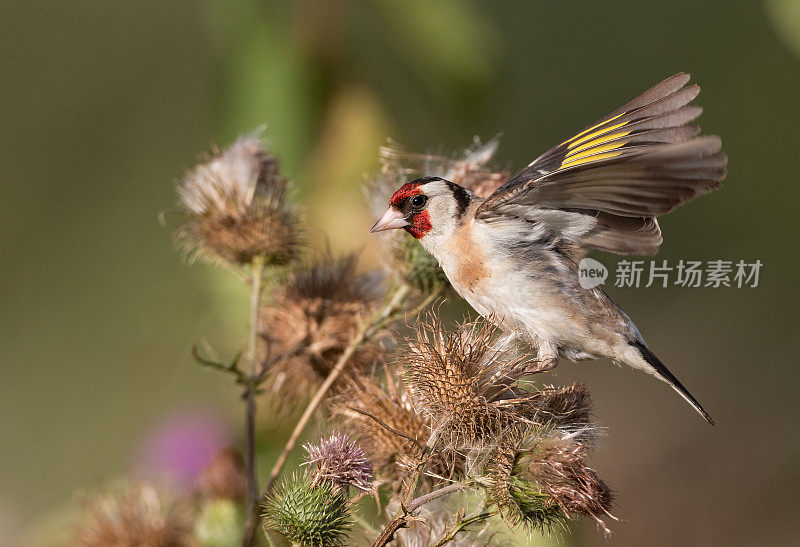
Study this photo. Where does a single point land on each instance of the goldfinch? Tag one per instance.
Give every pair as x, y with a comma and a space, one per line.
514, 255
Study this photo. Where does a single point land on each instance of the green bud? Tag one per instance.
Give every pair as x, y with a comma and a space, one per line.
307, 514
531, 506
422, 270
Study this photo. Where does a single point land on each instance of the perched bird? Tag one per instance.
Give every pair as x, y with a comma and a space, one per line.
514, 256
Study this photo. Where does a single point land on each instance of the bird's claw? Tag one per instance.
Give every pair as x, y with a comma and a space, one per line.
541, 365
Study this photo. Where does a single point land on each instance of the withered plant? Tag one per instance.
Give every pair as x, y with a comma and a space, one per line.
422, 419
315, 322
522, 449
444, 422
135, 514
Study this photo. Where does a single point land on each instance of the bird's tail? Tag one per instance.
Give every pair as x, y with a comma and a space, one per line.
664, 373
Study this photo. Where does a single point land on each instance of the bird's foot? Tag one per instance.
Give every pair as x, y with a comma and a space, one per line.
541, 365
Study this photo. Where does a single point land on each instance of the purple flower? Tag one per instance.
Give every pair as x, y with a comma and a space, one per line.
340, 461
182, 445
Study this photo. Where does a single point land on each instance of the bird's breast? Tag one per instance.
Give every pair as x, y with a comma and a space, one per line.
466, 261
534, 293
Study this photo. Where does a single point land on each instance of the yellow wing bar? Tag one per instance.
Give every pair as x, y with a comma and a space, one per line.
586, 146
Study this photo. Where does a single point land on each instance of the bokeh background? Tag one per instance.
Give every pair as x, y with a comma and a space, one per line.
104, 104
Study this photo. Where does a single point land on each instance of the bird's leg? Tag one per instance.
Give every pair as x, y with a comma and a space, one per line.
541, 365
546, 358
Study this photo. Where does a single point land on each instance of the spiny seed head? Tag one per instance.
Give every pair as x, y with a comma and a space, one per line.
565, 405
559, 469
235, 208
568, 408
224, 477
470, 169
312, 317
368, 407
414, 264
306, 513
464, 381
544, 480
341, 461
138, 515
406, 257
519, 501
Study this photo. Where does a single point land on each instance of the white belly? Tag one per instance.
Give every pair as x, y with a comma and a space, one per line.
536, 311
511, 298
520, 297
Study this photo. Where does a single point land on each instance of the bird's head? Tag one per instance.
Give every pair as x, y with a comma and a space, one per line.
430, 206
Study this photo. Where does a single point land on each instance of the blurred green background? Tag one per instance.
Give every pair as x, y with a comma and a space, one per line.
104, 104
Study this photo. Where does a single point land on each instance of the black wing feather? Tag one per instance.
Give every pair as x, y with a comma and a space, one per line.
639, 162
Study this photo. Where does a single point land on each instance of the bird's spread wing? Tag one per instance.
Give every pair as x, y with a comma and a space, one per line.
604, 187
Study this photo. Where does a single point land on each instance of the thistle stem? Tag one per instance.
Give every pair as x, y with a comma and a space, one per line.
430, 496
251, 519
407, 503
255, 300
480, 514
401, 518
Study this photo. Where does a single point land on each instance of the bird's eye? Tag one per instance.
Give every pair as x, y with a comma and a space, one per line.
418, 201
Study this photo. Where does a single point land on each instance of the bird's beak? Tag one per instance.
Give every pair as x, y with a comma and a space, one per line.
390, 220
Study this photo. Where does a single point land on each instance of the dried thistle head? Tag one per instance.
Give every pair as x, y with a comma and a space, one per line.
341, 461
236, 209
567, 408
392, 432
405, 256
464, 381
306, 513
544, 481
224, 477
139, 515
470, 169
565, 405
519, 501
311, 319
559, 469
